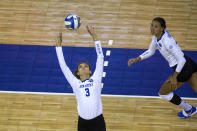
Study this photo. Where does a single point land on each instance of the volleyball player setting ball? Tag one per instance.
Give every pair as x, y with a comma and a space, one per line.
86, 86
185, 69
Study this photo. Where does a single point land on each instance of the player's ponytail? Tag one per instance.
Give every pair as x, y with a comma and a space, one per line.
76, 74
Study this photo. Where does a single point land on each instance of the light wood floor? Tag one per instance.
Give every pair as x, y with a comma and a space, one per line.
37, 22
36, 112
127, 22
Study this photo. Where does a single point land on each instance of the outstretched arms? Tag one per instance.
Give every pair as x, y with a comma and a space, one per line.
100, 57
91, 31
148, 53
97, 43
133, 60
59, 40
66, 71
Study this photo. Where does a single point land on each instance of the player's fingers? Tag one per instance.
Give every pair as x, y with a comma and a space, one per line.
88, 29
131, 60
173, 83
129, 63
91, 28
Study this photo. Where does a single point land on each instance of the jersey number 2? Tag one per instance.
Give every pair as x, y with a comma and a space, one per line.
87, 92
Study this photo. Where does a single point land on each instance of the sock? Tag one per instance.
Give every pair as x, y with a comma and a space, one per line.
185, 105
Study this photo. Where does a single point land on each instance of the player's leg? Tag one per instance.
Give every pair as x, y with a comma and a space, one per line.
98, 124
102, 125
193, 84
193, 81
186, 74
189, 74
166, 92
82, 124
166, 88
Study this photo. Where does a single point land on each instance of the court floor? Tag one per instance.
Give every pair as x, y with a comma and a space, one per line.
52, 112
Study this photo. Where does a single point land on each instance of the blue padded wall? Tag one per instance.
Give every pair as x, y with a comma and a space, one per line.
36, 69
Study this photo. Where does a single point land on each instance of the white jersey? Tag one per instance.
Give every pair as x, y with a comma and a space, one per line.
168, 48
87, 92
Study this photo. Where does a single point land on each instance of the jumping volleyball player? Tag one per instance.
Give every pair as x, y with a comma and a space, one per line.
86, 88
185, 69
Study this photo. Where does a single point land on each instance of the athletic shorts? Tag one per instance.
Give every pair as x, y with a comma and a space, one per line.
96, 124
188, 69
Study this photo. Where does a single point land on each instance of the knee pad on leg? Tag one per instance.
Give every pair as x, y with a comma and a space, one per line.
173, 98
167, 97
176, 100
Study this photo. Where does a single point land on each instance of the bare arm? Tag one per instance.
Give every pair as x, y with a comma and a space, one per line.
66, 71
133, 60
100, 57
91, 31
148, 53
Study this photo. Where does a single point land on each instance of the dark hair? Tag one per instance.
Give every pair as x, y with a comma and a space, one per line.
161, 21
75, 73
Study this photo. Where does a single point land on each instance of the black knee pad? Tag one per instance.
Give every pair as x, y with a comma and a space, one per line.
176, 100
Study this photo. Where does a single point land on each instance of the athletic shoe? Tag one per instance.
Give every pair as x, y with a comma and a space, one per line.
186, 114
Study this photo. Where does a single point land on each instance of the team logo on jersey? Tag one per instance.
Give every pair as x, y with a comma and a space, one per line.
81, 86
86, 85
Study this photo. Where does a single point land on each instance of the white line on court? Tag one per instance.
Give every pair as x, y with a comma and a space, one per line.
105, 95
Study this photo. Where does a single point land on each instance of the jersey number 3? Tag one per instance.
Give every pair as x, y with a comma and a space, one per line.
87, 91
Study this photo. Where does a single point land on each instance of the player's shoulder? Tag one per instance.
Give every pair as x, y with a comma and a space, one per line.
167, 38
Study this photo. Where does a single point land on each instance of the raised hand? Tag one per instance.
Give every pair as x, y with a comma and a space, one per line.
59, 40
91, 31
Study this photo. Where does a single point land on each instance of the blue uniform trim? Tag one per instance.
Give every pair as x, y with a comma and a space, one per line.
85, 80
161, 37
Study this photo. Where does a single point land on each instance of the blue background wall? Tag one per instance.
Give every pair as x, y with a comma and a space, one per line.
36, 69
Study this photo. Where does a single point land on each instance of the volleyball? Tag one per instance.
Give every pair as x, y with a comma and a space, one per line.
72, 22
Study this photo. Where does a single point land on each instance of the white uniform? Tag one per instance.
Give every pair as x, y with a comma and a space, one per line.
88, 92
168, 48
